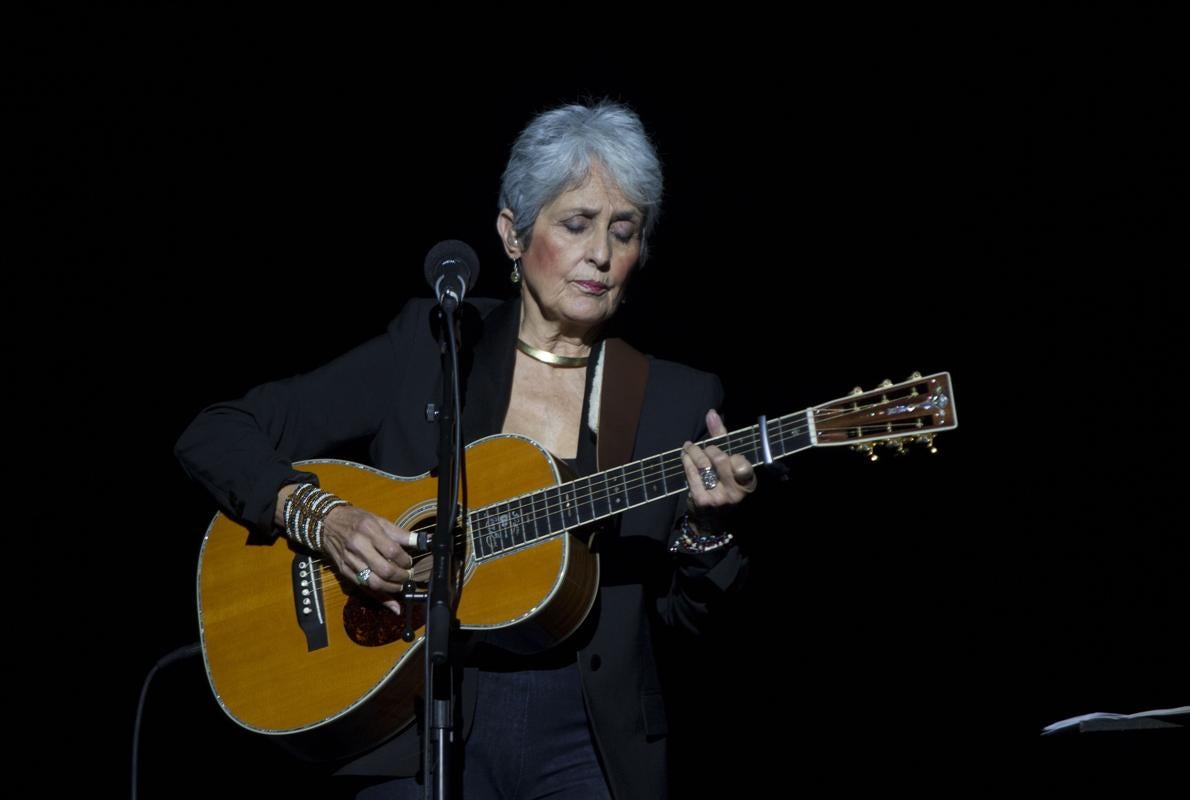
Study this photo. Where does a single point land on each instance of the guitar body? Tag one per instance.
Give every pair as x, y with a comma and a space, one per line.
292, 649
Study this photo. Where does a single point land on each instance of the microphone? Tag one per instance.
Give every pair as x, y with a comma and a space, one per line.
451, 270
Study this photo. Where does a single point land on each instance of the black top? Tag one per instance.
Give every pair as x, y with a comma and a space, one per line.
242, 452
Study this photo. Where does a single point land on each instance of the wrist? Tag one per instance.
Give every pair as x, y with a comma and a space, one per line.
304, 514
696, 536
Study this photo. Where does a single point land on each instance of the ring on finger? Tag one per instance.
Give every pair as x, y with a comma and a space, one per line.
710, 478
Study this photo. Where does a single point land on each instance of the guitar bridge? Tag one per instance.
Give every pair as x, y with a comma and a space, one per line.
306, 578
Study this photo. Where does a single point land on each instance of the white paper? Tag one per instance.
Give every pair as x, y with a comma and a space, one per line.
1156, 712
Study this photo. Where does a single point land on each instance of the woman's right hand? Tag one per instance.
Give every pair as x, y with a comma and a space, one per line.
363, 544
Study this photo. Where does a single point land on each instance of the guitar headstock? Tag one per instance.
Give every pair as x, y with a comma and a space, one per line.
893, 414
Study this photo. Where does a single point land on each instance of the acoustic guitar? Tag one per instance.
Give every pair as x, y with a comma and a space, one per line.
295, 651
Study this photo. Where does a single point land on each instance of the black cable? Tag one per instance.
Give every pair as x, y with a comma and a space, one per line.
176, 655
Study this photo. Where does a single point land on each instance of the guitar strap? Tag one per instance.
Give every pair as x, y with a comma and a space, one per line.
622, 396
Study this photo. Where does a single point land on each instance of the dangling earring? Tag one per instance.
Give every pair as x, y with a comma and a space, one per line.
515, 277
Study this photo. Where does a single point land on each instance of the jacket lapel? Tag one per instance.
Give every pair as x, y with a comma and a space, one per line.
489, 385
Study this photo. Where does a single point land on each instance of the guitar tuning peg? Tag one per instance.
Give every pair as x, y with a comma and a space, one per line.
928, 441
885, 383
867, 447
898, 446
915, 376
856, 390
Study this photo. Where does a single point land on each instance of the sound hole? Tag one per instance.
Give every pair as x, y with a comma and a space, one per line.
370, 624
423, 563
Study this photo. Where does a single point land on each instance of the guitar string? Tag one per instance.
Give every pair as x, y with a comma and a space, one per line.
670, 465
336, 588
666, 473
479, 516
600, 488
670, 469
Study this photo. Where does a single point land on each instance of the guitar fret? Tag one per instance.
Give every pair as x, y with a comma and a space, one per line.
536, 514
492, 534
654, 476
737, 443
755, 450
584, 500
571, 505
636, 489
521, 515
600, 504
797, 436
777, 437
504, 527
554, 505
479, 540
617, 494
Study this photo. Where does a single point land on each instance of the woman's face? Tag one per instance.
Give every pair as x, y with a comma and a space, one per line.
584, 247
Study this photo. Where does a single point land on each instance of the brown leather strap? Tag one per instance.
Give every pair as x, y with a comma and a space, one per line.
622, 396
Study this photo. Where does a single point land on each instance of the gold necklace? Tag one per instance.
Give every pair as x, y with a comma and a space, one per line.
546, 357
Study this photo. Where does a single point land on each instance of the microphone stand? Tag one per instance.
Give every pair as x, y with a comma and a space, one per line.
440, 621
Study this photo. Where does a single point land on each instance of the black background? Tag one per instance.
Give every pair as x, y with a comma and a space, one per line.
236, 200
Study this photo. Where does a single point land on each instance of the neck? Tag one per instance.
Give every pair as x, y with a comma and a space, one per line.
554, 335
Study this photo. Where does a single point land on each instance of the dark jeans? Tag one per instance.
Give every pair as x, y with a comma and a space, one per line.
530, 739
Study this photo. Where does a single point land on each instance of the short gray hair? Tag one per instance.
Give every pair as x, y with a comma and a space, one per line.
555, 151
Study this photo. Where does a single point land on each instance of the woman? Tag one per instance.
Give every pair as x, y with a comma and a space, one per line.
579, 198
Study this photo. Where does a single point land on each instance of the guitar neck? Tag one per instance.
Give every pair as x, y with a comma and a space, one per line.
891, 414
521, 521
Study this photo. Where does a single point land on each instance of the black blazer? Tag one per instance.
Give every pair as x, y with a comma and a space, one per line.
242, 451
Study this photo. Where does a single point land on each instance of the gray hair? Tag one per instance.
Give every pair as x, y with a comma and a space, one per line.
555, 151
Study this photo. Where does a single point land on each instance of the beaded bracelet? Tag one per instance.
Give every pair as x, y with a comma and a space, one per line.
305, 512
690, 542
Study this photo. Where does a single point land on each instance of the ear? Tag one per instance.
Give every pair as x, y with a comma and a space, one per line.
507, 231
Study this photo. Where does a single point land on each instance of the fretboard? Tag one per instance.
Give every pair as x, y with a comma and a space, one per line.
522, 521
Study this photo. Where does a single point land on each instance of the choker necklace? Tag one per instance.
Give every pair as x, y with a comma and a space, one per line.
546, 357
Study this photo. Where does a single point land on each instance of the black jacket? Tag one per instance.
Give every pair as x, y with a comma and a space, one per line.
241, 452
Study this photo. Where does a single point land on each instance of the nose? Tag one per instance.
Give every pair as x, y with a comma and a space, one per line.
599, 250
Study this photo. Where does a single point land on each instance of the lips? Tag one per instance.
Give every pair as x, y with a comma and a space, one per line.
592, 287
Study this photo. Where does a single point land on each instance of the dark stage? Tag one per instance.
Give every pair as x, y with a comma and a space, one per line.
1010, 209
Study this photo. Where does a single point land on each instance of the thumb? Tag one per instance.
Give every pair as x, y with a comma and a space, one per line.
715, 424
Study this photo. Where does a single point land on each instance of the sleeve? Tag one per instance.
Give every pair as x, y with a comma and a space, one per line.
703, 583
241, 451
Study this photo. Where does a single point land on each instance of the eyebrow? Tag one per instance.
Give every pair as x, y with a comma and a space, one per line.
632, 215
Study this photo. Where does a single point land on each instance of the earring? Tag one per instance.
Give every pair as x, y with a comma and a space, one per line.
515, 277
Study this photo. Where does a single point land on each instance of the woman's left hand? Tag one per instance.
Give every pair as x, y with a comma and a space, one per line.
732, 480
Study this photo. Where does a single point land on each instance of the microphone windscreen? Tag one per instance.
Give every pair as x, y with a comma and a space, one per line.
449, 252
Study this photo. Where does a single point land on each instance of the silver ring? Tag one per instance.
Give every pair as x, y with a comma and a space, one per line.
710, 478
363, 575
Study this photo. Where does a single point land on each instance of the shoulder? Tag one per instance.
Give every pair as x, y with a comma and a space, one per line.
679, 378
677, 397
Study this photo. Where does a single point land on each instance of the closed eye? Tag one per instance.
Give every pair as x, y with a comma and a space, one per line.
624, 231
